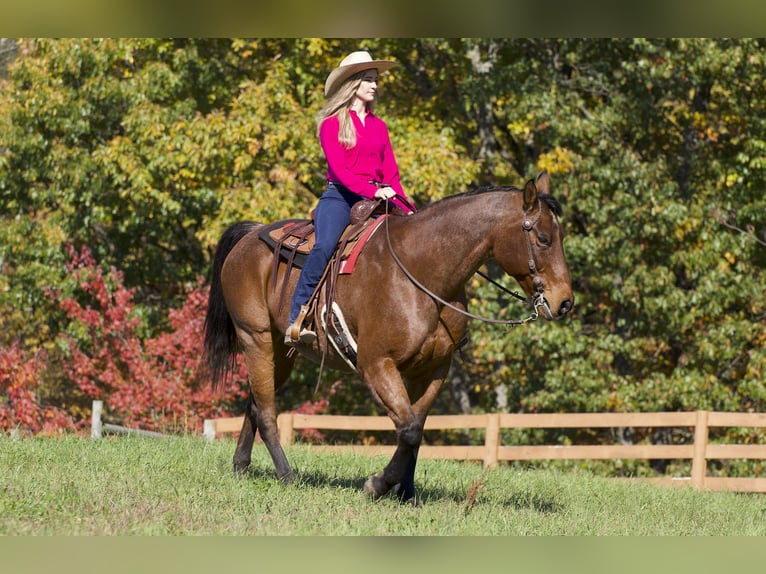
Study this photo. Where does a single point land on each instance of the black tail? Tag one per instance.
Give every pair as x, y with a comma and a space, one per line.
221, 343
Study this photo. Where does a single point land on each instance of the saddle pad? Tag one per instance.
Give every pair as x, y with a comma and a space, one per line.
348, 263
272, 233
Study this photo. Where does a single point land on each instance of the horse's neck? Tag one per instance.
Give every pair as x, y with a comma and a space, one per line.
452, 239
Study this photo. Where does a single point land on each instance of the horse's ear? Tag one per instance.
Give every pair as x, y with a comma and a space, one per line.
530, 195
544, 183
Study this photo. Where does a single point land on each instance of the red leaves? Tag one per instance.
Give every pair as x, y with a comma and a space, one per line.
20, 408
151, 383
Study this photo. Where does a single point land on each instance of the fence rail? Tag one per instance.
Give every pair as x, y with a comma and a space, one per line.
699, 452
98, 427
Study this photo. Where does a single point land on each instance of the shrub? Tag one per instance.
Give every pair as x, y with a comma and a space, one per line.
20, 407
154, 383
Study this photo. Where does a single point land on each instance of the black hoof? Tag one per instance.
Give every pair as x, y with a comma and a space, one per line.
287, 478
407, 495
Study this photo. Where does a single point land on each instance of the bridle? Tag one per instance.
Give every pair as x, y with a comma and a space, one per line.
538, 299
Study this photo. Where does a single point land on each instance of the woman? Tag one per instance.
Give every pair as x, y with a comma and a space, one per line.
360, 164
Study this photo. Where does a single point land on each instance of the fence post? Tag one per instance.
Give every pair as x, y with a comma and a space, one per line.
491, 440
699, 462
208, 429
285, 425
96, 427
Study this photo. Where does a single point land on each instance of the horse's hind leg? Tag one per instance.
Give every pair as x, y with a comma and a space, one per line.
244, 450
267, 371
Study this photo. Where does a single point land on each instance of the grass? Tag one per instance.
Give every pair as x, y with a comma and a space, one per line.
185, 486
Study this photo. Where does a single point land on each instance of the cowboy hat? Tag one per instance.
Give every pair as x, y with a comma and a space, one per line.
350, 65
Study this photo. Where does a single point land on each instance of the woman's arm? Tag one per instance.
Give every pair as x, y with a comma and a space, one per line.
391, 170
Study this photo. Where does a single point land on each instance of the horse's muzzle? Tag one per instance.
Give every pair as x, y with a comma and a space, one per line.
540, 302
565, 307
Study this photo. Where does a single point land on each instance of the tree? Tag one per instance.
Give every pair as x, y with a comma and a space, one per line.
154, 383
144, 150
21, 409
656, 142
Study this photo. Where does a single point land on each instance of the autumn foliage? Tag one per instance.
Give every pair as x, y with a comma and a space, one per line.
154, 384
20, 409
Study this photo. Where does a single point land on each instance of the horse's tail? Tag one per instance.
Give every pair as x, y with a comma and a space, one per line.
221, 345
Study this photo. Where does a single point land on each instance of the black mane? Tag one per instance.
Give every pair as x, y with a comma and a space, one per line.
552, 203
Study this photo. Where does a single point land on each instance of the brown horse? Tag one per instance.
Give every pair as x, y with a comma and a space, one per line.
403, 304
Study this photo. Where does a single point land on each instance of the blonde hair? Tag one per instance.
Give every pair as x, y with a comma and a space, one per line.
339, 104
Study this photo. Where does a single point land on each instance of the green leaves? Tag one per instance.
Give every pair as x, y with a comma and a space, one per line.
666, 296
146, 149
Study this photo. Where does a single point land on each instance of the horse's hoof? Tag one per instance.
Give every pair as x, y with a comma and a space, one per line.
287, 478
375, 486
240, 468
369, 489
407, 496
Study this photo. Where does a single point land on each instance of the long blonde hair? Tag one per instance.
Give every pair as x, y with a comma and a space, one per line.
338, 104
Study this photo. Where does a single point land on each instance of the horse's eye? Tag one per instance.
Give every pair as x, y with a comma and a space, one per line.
543, 240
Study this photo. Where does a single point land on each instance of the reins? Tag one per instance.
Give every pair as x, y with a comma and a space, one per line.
538, 300
503, 287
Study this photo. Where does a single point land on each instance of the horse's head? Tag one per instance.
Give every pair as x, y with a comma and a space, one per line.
533, 253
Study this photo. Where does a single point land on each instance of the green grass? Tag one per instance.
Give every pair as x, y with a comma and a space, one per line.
185, 486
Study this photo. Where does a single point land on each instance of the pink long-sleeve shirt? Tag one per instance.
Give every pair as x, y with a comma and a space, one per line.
371, 159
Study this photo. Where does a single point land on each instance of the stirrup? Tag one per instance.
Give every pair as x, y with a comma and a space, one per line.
305, 337
296, 333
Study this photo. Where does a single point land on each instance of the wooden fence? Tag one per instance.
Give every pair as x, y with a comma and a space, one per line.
98, 427
699, 452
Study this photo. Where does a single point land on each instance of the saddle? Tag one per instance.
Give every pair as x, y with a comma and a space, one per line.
292, 240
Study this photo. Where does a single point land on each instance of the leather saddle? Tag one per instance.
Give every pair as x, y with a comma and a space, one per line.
292, 240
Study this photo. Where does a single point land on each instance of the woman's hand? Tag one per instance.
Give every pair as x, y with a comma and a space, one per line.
385, 193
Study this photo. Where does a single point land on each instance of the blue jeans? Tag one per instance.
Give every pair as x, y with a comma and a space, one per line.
331, 216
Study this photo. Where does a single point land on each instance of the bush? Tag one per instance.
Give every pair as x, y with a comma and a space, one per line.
155, 383
20, 407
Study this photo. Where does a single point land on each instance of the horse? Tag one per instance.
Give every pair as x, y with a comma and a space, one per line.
404, 304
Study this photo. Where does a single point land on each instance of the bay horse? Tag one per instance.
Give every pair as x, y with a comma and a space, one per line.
404, 304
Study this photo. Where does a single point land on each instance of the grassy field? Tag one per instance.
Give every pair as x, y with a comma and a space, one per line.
185, 486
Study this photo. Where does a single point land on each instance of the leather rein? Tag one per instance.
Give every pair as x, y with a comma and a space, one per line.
538, 300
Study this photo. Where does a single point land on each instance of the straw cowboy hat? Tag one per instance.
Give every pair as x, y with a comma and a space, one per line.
351, 64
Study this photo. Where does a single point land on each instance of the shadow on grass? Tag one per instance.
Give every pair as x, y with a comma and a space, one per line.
522, 500
536, 502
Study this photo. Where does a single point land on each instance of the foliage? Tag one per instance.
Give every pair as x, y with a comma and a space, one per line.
20, 407
669, 302
153, 384
144, 150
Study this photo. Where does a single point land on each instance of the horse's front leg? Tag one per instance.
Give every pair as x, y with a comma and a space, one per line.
423, 390
385, 384
405, 491
401, 465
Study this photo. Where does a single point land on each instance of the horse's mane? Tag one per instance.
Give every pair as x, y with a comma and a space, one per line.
552, 203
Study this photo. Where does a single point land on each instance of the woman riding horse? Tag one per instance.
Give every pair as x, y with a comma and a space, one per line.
360, 164
417, 268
